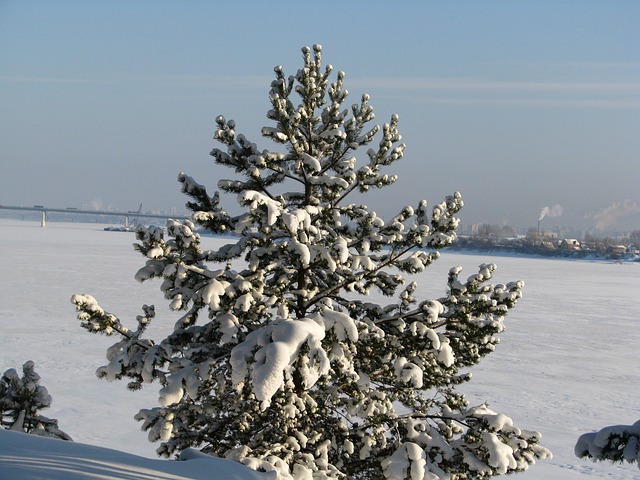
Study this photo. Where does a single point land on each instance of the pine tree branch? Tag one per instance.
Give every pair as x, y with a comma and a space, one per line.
365, 274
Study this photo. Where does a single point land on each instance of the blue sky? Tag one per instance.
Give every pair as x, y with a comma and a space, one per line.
518, 105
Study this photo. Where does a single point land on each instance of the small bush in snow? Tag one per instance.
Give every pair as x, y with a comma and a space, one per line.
21, 399
617, 443
284, 361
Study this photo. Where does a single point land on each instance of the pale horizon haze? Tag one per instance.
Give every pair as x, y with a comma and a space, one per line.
528, 109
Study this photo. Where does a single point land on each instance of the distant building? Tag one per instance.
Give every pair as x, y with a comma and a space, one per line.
570, 244
618, 250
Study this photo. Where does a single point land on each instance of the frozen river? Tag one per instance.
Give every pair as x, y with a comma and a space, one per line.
567, 364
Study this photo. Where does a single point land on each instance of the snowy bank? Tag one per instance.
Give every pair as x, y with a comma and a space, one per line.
30, 457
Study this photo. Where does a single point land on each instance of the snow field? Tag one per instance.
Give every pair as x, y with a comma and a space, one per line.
567, 363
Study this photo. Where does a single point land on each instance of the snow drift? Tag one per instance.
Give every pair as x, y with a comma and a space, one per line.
30, 457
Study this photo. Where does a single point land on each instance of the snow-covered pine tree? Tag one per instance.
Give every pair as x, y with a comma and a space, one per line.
281, 358
615, 443
21, 399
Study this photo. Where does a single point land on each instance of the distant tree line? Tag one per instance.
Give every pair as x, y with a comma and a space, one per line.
503, 238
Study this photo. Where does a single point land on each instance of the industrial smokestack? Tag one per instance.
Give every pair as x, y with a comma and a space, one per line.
554, 211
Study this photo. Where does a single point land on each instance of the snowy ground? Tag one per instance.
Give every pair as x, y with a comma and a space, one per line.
568, 362
29, 457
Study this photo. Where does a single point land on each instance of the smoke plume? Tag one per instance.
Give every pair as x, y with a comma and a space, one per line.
554, 211
608, 217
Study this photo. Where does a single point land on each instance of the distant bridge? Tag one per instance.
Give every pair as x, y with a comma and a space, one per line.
73, 211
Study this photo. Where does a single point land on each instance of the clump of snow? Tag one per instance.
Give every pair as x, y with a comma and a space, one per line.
500, 455
255, 199
267, 354
408, 372
409, 461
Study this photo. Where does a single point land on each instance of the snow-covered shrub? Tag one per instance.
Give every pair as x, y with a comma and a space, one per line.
21, 399
286, 363
616, 443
